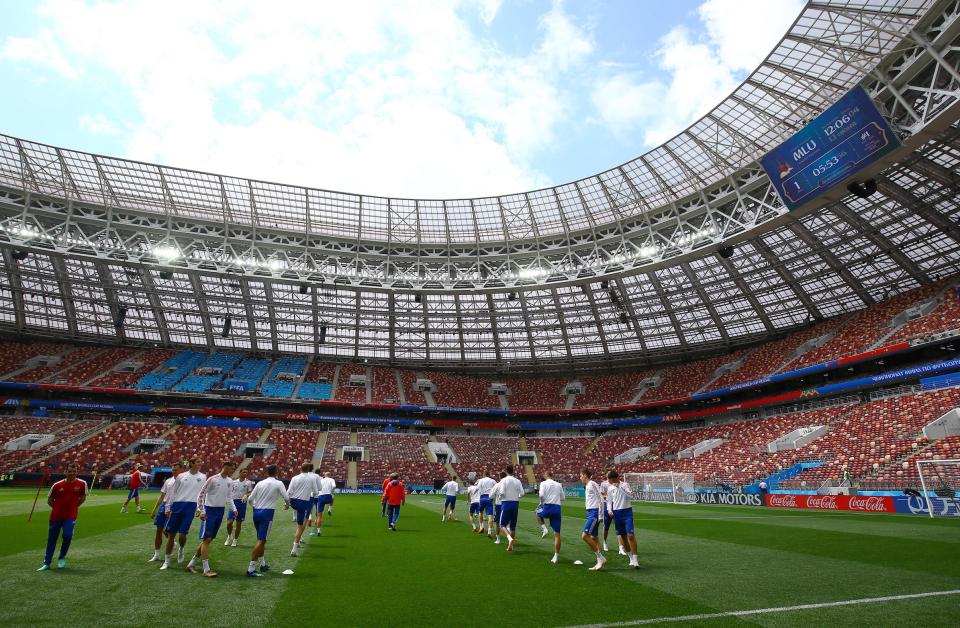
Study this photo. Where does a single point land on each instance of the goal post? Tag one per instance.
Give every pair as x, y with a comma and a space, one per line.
939, 478
665, 487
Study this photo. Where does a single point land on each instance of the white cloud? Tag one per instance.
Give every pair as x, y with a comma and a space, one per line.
42, 51
383, 98
700, 72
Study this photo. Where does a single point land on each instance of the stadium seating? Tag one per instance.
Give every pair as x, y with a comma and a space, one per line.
293, 448
689, 377
14, 427
350, 394
171, 371
107, 448
400, 453
945, 317
462, 391
82, 373
151, 359
383, 388
249, 372
866, 327
414, 396
535, 392
213, 445
69, 430
875, 435
69, 359
329, 462
476, 453
275, 387
196, 382
612, 389
13, 355
904, 473
312, 387
564, 457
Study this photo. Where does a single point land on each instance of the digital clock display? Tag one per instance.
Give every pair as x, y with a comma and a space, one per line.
837, 144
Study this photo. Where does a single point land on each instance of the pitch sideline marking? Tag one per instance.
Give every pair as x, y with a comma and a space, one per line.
761, 611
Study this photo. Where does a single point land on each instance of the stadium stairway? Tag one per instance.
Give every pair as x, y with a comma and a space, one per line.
403, 393
352, 466
132, 456
318, 449
302, 378
52, 377
24, 368
335, 383
246, 462
938, 297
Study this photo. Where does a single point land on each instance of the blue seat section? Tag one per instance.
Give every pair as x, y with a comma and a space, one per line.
250, 371
315, 390
202, 383
273, 387
170, 372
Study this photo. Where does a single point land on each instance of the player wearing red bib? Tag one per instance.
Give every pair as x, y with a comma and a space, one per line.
138, 480
64, 500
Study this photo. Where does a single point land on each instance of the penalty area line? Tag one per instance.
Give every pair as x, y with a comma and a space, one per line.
763, 611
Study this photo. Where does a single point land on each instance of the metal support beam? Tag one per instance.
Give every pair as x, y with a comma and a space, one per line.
272, 313
787, 277
159, 316
897, 194
705, 300
248, 310
16, 288
832, 261
563, 324
658, 288
747, 292
881, 241
66, 293
202, 310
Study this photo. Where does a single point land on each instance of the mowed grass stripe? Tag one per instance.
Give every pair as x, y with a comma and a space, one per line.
109, 582
695, 567
434, 574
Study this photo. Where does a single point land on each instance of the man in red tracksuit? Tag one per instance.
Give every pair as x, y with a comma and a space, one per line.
383, 502
395, 494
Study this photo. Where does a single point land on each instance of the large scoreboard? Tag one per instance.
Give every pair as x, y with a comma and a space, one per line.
838, 143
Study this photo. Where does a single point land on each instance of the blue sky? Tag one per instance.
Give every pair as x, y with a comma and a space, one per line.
427, 98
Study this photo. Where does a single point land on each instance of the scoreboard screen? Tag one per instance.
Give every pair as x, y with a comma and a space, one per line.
838, 143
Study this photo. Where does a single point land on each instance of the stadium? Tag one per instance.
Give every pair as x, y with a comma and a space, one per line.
754, 325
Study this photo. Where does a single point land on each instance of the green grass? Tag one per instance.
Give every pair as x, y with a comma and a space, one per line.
696, 560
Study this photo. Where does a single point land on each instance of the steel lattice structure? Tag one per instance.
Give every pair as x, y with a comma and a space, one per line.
617, 268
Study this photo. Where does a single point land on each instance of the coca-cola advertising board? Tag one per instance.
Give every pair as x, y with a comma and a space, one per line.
857, 503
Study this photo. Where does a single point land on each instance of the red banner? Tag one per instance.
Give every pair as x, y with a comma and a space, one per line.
858, 503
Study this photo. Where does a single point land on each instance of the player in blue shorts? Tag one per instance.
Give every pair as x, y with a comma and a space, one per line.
159, 514
239, 491
551, 496
473, 495
450, 490
263, 502
620, 507
213, 500
484, 485
181, 507
497, 496
511, 492
594, 512
607, 521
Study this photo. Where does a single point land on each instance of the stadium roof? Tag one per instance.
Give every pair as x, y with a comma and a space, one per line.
620, 267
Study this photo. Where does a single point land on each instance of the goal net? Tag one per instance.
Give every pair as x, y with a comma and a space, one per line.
940, 479
668, 487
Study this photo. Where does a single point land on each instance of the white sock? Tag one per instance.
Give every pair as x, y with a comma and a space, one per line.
253, 566
156, 553
556, 557
206, 566
599, 555
509, 538
263, 561
543, 527
193, 561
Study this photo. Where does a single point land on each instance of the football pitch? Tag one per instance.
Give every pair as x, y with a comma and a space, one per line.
701, 565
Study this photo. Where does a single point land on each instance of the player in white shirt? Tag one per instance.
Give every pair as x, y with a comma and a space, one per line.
619, 506
511, 490
159, 514
473, 494
450, 489
594, 506
608, 521
181, 507
551, 496
263, 501
238, 491
496, 494
303, 488
484, 485
213, 501
328, 487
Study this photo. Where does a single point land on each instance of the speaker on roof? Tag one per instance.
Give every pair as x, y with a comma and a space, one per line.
304, 289
227, 326
726, 252
863, 189
323, 334
19, 255
121, 315
417, 298
166, 274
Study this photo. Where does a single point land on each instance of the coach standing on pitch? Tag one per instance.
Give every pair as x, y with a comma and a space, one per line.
64, 500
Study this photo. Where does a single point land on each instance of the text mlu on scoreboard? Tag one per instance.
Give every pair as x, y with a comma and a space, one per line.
838, 143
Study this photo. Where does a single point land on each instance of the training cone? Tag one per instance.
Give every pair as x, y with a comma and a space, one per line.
288, 572
578, 562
